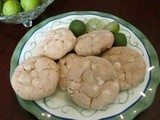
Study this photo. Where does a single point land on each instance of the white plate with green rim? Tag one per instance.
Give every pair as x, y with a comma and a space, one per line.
128, 104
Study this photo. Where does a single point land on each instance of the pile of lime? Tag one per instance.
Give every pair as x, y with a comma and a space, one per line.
12, 7
79, 27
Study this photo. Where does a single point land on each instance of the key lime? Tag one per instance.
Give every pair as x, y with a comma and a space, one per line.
120, 39
11, 7
112, 27
30, 4
94, 24
78, 27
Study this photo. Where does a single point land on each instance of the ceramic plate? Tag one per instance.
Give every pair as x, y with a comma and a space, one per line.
128, 104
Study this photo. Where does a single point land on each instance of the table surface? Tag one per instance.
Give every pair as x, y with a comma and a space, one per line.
144, 14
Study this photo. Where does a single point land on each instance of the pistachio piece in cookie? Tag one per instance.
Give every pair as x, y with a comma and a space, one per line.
35, 78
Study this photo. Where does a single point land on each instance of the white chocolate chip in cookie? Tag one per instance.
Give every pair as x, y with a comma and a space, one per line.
24, 79
35, 82
117, 65
100, 81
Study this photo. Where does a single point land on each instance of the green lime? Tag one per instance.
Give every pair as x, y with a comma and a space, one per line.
112, 27
120, 39
78, 27
11, 7
94, 24
30, 4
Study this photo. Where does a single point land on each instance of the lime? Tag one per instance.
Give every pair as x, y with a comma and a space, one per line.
11, 7
120, 39
78, 27
94, 24
112, 27
30, 4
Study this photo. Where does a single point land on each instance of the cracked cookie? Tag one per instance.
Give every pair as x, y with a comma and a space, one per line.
92, 82
56, 44
129, 65
94, 43
64, 66
35, 78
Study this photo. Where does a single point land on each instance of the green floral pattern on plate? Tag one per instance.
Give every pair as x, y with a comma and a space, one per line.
59, 105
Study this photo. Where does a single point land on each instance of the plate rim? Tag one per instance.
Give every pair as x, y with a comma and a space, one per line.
31, 107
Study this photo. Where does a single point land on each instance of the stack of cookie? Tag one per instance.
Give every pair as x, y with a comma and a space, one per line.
88, 68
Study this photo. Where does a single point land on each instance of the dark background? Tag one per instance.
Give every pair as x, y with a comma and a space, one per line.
143, 14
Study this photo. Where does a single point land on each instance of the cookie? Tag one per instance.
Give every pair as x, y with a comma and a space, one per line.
56, 44
94, 43
129, 64
92, 82
35, 78
64, 66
